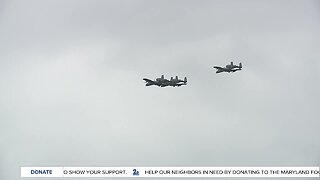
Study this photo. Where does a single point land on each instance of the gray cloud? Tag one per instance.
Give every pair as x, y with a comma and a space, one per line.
71, 89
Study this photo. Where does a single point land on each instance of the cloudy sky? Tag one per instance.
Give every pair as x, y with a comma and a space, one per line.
72, 94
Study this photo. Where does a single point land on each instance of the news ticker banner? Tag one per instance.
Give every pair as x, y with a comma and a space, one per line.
170, 171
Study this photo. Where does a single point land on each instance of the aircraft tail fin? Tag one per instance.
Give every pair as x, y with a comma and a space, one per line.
176, 77
231, 63
240, 65
162, 76
171, 79
185, 80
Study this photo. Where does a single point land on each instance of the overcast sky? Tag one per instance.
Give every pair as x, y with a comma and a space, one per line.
72, 94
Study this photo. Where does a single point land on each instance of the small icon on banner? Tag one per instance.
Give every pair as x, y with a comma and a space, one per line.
135, 172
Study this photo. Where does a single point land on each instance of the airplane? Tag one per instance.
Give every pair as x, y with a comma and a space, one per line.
229, 68
161, 82
177, 82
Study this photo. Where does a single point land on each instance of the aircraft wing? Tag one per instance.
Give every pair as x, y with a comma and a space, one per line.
147, 80
218, 68
234, 70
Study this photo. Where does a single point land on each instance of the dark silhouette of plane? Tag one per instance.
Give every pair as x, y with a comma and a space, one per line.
229, 68
162, 82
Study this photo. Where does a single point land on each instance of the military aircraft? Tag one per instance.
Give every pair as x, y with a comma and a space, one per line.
177, 82
162, 82
229, 68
